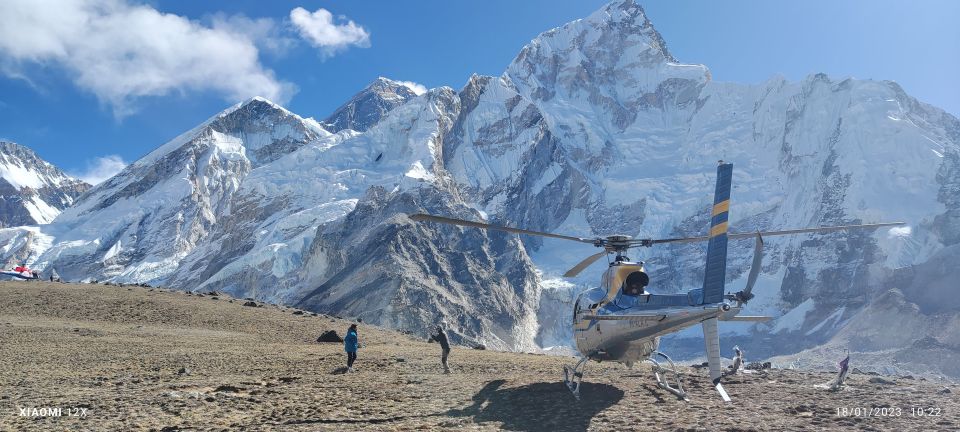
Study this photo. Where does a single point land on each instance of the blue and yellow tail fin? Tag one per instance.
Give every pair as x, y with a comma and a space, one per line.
716, 268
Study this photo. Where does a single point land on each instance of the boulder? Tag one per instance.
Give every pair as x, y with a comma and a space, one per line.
330, 336
758, 366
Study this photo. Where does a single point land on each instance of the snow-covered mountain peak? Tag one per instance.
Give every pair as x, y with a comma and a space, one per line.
181, 191
263, 108
629, 17
386, 86
618, 38
263, 129
32, 191
18, 166
261, 99
22, 168
368, 106
604, 73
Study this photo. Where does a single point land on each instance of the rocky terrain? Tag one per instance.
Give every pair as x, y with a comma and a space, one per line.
134, 358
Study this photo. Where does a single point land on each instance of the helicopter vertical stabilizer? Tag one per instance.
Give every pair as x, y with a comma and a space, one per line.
716, 267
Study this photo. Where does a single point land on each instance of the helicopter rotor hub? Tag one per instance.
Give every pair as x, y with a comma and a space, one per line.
615, 243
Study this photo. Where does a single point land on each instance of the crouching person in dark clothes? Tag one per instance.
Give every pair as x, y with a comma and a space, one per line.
441, 338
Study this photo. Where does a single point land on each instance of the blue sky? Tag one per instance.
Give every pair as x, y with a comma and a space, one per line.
91, 97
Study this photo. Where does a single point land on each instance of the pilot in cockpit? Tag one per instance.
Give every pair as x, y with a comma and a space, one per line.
635, 283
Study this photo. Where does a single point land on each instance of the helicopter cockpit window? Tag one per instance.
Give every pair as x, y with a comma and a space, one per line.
635, 283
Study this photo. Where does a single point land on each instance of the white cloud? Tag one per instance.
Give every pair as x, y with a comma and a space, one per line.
264, 32
899, 232
321, 31
101, 169
121, 52
416, 88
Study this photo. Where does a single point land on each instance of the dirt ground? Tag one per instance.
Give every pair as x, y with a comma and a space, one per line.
132, 358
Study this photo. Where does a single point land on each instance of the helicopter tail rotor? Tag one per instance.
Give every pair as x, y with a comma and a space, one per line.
745, 295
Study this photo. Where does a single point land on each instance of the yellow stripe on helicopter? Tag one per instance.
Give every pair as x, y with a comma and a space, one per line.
720, 228
721, 207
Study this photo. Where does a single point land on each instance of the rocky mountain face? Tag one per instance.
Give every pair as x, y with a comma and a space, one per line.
594, 129
366, 108
410, 276
32, 191
140, 224
322, 228
260, 202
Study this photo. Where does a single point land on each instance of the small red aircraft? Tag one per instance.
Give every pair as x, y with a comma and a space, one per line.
21, 272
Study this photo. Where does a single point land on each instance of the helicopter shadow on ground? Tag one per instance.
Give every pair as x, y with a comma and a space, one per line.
539, 406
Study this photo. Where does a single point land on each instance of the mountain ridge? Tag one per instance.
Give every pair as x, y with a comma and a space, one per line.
33, 190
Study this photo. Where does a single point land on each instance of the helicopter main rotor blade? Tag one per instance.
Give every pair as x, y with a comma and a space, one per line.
651, 242
575, 270
451, 221
817, 230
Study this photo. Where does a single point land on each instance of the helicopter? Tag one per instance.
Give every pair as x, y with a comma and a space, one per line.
21, 272
620, 321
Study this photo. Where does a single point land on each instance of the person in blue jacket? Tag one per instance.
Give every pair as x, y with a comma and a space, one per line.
350, 346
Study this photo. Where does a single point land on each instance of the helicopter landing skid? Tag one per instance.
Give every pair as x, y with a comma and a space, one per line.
660, 373
573, 376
